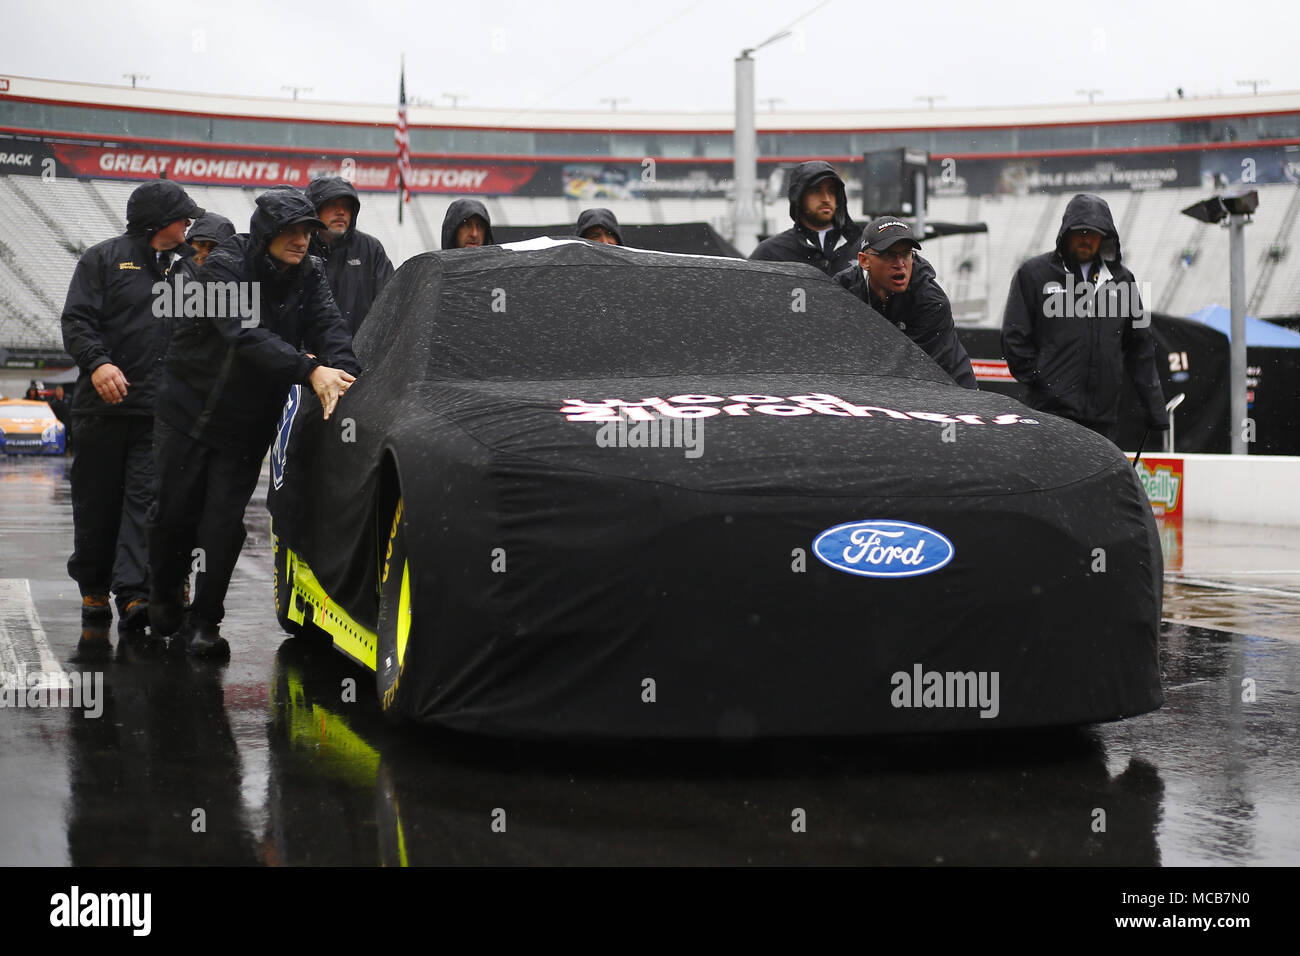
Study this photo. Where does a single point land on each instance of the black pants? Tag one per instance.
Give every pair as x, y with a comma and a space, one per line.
112, 480
197, 522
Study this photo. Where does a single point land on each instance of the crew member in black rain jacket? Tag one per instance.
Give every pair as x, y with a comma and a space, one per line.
823, 235
209, 231
891, 278
1074, 324
599, 225
466, 224
355, 262
118, 339
269, 322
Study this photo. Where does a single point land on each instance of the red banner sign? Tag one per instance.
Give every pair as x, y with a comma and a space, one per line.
232, 169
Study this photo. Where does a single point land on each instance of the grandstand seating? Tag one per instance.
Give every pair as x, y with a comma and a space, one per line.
48, 223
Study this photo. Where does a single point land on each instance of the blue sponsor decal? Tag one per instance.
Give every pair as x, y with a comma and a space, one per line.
883, 549
280, 450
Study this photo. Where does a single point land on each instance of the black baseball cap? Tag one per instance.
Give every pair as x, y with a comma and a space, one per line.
884, 231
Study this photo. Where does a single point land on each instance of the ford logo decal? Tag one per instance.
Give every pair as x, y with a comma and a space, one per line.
883, 549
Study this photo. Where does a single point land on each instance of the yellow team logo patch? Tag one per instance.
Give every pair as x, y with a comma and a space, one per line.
127, 265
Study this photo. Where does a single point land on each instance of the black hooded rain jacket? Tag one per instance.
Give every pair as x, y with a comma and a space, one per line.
356, 264
458, 212
1072, 342
799, 243
228, 374
109, 315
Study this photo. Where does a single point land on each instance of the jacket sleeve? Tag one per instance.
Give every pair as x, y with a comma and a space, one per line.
934, 314
1018, 329
383, 269
83, 314
325, 332
1140, 362
259, 345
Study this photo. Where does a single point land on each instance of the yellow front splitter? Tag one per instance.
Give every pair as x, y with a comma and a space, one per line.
351, 638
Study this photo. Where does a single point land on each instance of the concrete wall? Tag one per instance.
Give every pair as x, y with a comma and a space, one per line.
1242, 489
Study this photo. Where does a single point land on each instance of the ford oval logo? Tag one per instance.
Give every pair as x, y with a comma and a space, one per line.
883, 549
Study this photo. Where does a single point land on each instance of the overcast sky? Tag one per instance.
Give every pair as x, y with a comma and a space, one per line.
663, 54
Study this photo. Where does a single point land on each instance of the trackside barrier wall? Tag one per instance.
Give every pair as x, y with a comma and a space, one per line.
1242, 489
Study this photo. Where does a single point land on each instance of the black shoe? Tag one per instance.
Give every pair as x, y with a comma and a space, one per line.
205, 640
165, 613
95, 610
93, 646
133, 617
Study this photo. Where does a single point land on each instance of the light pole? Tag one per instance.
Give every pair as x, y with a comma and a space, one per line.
1236, 207
744, 174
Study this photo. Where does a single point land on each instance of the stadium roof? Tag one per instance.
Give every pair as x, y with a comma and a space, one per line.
125, 97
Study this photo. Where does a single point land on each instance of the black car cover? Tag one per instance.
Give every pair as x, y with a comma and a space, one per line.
678, 496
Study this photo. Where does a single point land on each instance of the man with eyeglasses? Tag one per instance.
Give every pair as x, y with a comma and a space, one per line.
1074, 325
900, 285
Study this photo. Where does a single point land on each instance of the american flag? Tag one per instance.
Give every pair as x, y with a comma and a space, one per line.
403, 139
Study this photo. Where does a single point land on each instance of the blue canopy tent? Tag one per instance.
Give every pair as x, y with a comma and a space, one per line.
1258, 332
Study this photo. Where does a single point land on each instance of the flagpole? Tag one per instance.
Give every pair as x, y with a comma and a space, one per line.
401, 134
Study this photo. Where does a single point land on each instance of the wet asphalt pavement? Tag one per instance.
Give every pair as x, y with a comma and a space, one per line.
269, 760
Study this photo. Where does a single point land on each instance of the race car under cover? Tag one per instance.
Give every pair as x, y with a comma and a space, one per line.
30, 428
583, 490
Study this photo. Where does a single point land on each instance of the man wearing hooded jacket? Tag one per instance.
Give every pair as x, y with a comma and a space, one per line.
118, 340
355, 262
225, 384
823, 235
599, 225
466, 225
1074, 324
209, 231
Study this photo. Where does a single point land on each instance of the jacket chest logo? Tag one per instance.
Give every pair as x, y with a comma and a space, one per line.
128, 265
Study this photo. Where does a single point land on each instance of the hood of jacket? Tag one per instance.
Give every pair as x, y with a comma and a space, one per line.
806, 175
156, 204
458, 212
278, 207
598, 217
1091, 212
322, 190
211, 226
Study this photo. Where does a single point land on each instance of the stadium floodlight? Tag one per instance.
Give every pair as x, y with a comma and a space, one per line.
1236, 206
1208, 210
1241, 203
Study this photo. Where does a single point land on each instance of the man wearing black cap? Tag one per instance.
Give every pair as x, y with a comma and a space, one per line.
466, 225
1074, 325
599, 225
900, 285
823, 235
225, 384
113, 332
209, 231
356, 264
